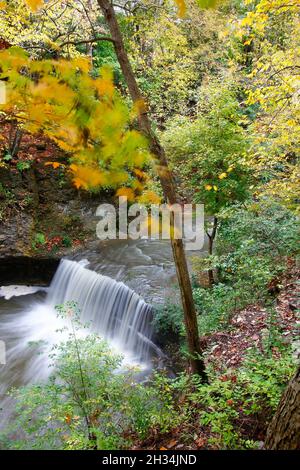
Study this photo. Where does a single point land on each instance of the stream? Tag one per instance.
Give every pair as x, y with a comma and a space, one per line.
114, 283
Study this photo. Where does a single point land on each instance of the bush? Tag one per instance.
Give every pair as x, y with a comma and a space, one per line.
39, 240
236, 404
264, 228
214, 306
252, 246
168, 320
91, 400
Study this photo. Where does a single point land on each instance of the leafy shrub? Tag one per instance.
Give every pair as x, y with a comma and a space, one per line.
66, 241
248, 395
265, 228
91, 399
39, 240
168, 320
214, 306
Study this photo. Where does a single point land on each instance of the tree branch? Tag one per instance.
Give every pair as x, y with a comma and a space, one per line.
283, 69
86, 41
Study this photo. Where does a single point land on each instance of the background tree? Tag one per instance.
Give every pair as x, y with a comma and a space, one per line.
208, 154
271, 32
168, 187
53, 29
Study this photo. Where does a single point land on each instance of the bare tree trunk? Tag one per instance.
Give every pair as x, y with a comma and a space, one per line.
211, 239
15, 138
166, 179
89, 46
284, 431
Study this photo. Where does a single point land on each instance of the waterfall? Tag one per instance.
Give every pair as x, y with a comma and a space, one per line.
110, 308
113, 310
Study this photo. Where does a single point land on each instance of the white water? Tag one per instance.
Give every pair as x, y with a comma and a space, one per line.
111, 309
17, 291
114, 311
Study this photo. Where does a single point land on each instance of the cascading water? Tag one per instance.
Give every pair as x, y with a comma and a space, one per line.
110, 308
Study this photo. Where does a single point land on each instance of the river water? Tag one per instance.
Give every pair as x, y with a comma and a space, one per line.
113, 283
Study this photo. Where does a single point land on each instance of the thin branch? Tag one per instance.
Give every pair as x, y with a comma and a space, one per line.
86, 41
282, 70
73, 43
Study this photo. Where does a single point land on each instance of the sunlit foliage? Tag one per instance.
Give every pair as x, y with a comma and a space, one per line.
271, 31
86, 117
208, 154
49, 29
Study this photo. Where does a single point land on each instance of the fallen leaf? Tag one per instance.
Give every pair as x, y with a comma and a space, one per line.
171, 444
200, 442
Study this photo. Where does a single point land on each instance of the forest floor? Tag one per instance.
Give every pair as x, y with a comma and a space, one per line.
226, 352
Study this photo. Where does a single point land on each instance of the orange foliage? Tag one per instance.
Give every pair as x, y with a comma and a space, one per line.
126, 192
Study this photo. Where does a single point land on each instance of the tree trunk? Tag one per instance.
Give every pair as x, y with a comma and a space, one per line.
284, 431
167, 183
211, 239
89, 46
15, 139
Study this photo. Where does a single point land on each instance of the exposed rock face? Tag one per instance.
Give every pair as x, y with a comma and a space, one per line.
15, 234
38, 201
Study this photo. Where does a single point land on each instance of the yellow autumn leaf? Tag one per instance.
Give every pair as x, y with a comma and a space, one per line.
137, 185
208, 187
105, 84
215, 188
126, 192
150, 197
181, 7
54, 164
34, 4
222, 176
68, 419
87, 177
206, 4
117, 178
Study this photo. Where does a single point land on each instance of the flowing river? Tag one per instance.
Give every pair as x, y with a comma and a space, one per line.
114, 283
